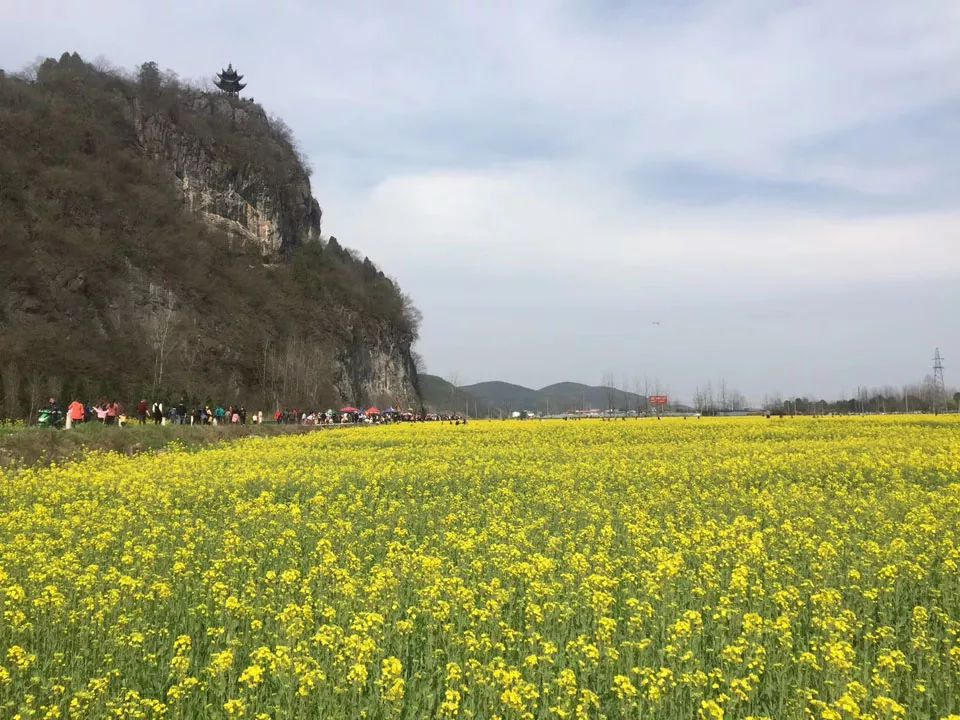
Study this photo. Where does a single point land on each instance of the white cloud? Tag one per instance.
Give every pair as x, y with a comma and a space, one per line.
487, 155
538, 217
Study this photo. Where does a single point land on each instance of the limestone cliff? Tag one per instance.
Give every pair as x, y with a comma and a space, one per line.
163, 241
236, 199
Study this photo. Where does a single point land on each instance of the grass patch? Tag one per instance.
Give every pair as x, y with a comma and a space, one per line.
32, 446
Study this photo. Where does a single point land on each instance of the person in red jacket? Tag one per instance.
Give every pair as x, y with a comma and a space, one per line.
75, 413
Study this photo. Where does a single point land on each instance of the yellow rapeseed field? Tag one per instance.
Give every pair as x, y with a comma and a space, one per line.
799, 568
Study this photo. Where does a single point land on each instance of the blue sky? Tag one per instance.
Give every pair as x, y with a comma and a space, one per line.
776, 183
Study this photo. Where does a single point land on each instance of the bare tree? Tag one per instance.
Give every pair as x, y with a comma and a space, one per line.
737, 400
704, 400
454, 387
773, 402
11, 391
29, 73
264, 373
34, 385
300, 370
638, 391
162, 312
608, 382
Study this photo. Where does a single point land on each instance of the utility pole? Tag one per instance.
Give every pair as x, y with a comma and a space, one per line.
939, 388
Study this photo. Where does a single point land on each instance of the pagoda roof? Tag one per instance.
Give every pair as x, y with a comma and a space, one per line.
229, 80
229, 86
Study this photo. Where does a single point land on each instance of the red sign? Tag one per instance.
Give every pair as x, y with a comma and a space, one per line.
658, 399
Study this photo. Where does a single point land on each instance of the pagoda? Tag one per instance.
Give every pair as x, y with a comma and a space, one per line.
228, 81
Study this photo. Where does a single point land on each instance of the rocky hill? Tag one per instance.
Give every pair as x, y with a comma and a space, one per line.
162, 241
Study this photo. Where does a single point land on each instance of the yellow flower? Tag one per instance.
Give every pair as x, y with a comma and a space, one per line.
513, 564
235, 708
710, 710
450, 706
391, 668
887, 707
182, 644
840, 655
251, 676
623, 688
396, 691
357, 674
20, 658
220, 662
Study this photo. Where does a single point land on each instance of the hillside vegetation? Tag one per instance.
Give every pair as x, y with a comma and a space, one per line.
110, 288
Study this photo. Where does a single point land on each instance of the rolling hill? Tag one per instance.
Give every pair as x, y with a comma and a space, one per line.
494, 398
440, 395
504, 395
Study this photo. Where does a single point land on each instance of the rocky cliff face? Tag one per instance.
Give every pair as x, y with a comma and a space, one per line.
381, 369
159, 241
274, 215
235, 200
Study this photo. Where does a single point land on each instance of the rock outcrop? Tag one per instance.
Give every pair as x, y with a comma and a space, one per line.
162, 241
238, 201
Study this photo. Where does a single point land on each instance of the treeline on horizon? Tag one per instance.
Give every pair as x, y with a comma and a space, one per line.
499, 399
109, 289
919, 397
711, 397
924, 398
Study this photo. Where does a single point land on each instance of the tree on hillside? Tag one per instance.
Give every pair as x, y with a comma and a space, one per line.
608, 382
148, 75
163, 305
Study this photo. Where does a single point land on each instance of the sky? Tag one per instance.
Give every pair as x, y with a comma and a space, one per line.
761, 191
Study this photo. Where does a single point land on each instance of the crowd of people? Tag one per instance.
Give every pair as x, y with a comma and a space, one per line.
53, 414
371, 416
113, 413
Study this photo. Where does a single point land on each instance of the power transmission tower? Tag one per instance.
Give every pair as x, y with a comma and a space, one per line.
939, 388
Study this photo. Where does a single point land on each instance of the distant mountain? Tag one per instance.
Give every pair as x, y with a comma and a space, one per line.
440, 395
496, 397
504, 395
573, 396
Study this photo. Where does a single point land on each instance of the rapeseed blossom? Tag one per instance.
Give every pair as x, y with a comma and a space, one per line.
748, 568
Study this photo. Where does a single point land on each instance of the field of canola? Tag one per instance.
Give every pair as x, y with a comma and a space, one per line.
799, 568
